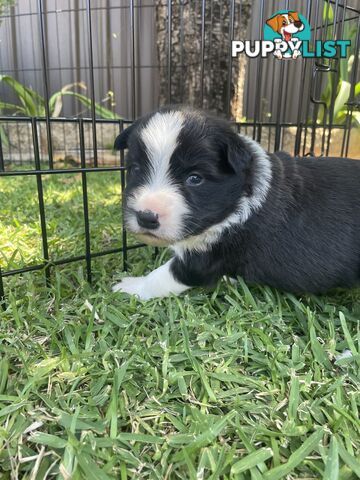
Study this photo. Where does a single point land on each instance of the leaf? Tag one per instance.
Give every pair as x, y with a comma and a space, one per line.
90, 468
328, 12
342, 97
356, 116
11, 408
140, 437
12, 107
3, 137
342, 115
55, 101
66, 421
100, 111
251, 460
357, 89
204, 438
4, 373
49, 440
31, 100
195, 364
317, 349
295, 458
294, 398
112, 412
332, 461
352, 462
348, 336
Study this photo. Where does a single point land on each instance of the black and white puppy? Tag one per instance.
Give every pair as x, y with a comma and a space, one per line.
227, 207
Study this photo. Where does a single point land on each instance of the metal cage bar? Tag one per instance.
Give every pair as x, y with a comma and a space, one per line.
176, 15
45, 245
92, 81
169, 47
122, 180
46, 82
85, 202
2, 292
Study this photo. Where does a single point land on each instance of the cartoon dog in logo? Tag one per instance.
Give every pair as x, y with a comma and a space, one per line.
286, 25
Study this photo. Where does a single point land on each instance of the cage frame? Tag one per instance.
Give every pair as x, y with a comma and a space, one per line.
257, 126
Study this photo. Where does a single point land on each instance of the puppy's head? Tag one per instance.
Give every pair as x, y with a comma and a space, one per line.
286, 24
185, 173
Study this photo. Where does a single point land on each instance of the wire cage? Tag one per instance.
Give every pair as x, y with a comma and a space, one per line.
75, 73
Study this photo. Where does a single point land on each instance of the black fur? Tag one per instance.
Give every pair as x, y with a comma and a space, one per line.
304, 238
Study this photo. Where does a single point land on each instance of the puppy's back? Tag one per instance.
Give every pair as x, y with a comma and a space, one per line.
307, 235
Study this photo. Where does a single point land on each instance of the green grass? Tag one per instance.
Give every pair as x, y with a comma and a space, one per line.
237, 383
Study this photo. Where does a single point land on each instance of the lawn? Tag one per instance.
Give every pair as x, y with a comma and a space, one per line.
242, 382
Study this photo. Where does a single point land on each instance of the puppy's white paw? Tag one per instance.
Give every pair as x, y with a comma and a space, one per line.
296, 54
278, 54
133, 286
159, 283
232, 280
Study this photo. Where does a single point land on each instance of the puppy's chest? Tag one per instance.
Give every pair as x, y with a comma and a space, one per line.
230, 255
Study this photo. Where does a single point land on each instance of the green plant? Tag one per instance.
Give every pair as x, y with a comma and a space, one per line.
338, 88
4, 5
32, 104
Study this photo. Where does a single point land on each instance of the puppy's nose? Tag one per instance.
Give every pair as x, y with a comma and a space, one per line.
148, 219
298, 24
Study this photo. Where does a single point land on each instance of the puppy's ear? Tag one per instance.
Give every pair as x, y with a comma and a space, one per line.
121, 141
274, 23
237, 154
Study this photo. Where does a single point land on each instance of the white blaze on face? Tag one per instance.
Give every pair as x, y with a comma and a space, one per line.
160, 137
159, 194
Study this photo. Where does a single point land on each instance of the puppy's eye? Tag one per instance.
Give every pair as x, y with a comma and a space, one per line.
284, 22
194, 180
133, 169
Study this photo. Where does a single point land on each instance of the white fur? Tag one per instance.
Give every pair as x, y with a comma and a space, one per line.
246, 206
159, 194
159, 283
160, 137
172, 209
343, 355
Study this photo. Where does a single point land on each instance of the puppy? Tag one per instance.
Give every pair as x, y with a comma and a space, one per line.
286, 25
227, 207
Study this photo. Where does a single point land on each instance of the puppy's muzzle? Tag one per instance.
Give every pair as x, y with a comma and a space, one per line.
148, 219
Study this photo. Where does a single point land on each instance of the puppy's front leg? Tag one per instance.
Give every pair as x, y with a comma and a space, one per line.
159, 283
